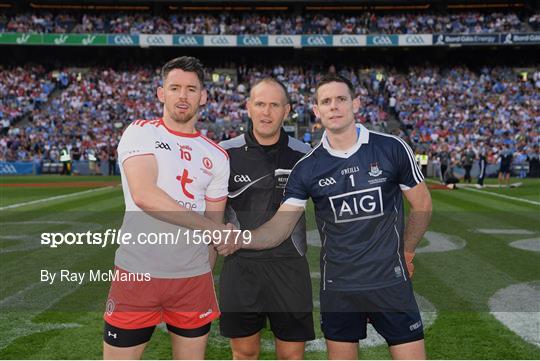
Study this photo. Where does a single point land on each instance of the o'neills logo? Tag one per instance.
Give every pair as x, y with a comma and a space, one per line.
206, 314
117, 275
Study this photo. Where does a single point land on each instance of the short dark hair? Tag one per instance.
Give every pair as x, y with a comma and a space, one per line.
331, 78
269, 79
186, 63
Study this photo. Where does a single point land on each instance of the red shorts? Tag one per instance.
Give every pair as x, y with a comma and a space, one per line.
181, 302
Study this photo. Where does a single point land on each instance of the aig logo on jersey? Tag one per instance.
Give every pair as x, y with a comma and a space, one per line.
357, 205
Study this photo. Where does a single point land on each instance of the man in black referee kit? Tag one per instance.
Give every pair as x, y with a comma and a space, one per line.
356, 179
273, 283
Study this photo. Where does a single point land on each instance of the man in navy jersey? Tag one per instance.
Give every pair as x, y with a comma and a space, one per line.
356, 179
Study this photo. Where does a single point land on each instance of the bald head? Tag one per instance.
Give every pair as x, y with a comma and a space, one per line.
268, 106
274, 84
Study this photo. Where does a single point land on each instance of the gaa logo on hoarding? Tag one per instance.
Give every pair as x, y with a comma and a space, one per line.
251, 40
414, 39
219, 40
316, 40
6, 168
357, 205
123, 40
348, 40
382, 40
284, 40
155, 40
187, 40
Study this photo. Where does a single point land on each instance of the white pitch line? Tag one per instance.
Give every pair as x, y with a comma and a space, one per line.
37, 201
511, 231
531, 244
516, 307
503, 196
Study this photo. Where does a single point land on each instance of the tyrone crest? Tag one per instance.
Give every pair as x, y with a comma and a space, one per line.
375, 171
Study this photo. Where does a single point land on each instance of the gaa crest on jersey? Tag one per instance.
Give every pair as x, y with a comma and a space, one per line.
109, 307
374, 170
207, 163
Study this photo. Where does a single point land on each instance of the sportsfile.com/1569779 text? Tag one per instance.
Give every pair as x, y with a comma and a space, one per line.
119, 237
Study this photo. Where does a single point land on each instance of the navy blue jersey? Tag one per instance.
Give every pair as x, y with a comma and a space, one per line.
506, 158
358, 208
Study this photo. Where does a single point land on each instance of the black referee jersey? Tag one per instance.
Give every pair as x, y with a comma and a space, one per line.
256, 186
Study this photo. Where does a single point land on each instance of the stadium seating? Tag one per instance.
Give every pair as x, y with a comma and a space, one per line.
289, 24
91, 112
456, 107
435, 106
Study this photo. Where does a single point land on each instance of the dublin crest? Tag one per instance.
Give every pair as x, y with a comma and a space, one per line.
375, 171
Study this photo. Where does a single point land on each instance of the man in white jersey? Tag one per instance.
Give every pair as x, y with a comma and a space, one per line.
175, 182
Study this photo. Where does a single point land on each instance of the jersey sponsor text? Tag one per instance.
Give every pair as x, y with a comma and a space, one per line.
357, 205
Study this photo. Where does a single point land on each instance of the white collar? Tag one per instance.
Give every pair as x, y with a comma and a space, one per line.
363, 138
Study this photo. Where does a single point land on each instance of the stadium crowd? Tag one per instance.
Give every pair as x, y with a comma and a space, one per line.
22, 89
456, 114
89, 114
446, 112
288, 24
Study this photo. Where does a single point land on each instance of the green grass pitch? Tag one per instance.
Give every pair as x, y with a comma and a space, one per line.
65, 322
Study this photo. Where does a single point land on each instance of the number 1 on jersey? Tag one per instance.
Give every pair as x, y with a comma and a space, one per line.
351, 177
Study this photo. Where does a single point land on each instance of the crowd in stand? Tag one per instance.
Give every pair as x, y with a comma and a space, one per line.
452, 112
94, 107
445, 112
534, 22
286, 23
22, 89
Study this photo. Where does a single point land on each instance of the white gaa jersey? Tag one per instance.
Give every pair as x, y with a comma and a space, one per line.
192, 170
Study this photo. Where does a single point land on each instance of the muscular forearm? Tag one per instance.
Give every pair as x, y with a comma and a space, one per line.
417, 225
264, 238
212, 256
160, 205
274, 232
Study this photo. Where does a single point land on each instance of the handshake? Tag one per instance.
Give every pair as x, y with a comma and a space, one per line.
229, 240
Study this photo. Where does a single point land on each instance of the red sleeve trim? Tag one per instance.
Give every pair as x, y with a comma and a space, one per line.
215, 199
135, 155
215, 145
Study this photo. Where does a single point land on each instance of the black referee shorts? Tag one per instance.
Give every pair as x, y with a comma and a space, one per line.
252, 290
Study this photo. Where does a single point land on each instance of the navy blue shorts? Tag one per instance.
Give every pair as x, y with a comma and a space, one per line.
392, 311
505, 168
